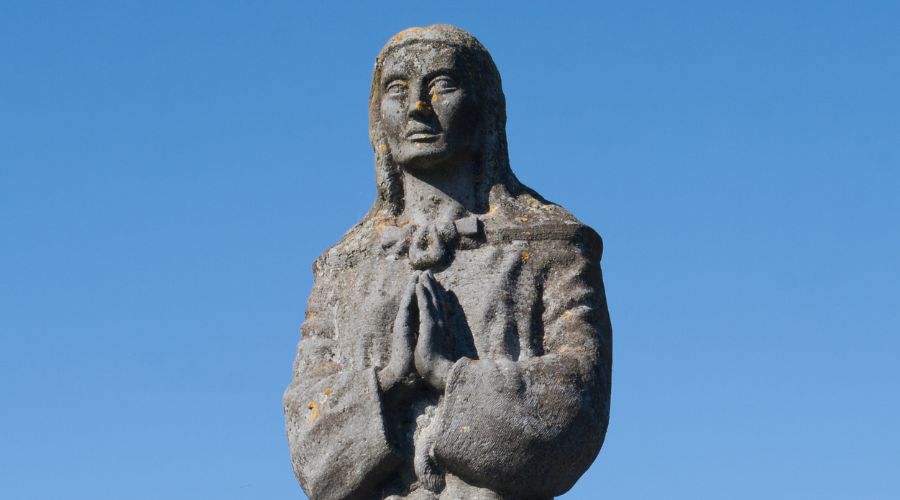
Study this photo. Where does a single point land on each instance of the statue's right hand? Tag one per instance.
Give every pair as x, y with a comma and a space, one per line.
403, 341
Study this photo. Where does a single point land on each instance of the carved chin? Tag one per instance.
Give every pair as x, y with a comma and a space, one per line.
422, 158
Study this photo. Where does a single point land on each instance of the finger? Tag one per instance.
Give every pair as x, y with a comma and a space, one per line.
431, 283
439, 339
428, 327
435, 302
410, 292
439, 299
407, 308
423, 344
427, 277
426, 309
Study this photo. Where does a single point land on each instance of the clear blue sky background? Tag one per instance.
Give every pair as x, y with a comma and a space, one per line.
169, 171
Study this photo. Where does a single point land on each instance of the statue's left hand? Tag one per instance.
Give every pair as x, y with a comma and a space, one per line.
401, 366
433, 348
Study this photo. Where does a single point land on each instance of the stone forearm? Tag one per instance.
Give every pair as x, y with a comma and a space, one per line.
529, 428
336, 433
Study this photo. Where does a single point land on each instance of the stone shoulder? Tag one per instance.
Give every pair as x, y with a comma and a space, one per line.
529, 218
359, 243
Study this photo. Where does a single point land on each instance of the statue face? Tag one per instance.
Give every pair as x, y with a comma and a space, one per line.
427, 113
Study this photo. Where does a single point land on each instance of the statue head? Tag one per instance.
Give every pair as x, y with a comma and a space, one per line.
437, 101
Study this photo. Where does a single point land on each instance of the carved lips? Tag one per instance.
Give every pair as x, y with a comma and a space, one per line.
422, 134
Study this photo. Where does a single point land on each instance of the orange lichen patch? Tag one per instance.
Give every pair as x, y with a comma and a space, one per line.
388, 220
567, 315
310, 314
421, 106
313, 412
525, 256
327, 391
383, 148
473, 361
408, 31
434, 97
523, 219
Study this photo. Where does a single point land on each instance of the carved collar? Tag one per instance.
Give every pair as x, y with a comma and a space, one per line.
429, 245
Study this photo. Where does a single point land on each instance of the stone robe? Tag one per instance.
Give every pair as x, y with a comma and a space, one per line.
526, 404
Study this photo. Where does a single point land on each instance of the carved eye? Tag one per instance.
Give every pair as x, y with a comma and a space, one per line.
442, 84
396, 87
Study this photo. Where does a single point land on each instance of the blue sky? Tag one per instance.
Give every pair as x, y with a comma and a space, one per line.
169, 170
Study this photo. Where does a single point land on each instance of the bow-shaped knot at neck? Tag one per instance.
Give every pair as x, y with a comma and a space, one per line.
429, 245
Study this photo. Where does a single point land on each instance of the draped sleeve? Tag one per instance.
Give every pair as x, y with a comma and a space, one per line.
531, 426
334, 413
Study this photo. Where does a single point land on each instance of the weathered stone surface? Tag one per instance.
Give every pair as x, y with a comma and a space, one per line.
457, 342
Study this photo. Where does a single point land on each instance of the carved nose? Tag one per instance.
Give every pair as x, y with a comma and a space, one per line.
420, 108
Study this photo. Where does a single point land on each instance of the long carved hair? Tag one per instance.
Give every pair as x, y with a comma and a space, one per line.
494, 177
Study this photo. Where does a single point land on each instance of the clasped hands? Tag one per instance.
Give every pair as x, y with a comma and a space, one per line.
420, 343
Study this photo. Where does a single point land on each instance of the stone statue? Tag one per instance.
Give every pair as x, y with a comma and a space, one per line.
457, 342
